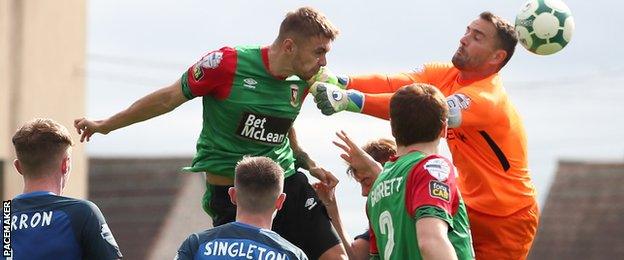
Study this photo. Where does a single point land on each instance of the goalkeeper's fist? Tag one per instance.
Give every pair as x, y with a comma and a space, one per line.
325, 75
331, 98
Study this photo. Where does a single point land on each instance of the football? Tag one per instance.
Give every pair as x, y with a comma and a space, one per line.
544, 27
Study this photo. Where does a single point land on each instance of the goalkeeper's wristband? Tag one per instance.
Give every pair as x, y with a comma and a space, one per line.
356, 101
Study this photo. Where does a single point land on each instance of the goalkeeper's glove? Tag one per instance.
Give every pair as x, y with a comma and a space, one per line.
325, 75
331, 98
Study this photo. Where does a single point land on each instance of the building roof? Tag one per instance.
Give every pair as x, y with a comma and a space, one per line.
583, 217
148, 204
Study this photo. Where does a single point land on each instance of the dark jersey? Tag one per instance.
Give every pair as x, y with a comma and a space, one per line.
47, 226
237, 240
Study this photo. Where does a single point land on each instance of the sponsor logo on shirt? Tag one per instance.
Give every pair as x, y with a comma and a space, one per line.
294, 95
240, 249
212, 60
108, 235
439, 190
250, 83
310, 203
458, 101
197, 72
262, 128
438, 168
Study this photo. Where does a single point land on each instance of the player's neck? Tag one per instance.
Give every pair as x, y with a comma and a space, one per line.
43, 184
257, 220
279, 64
426, 148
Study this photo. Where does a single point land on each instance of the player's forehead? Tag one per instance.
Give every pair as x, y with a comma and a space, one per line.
360, 176
483, 27
318, 43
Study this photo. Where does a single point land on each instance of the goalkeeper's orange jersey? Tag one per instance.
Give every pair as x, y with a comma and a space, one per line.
488, 147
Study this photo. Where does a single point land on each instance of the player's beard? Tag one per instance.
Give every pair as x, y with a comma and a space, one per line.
460, 61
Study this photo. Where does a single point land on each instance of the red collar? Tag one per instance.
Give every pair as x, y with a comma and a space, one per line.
265, 59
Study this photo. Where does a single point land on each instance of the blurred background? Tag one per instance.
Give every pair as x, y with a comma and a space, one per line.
67, 59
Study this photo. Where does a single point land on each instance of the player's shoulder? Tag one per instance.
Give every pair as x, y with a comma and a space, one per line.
73, 204
286, 245
78, 208
433, 67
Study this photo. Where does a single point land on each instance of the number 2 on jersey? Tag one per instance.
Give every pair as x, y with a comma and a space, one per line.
386, 228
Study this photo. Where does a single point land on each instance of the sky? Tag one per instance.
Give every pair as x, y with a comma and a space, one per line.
569, 101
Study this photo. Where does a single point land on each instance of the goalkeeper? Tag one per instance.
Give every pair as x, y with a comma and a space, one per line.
486, 136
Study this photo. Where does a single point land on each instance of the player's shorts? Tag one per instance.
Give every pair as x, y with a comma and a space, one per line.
222, 209
303, 219
365, 236
508, 237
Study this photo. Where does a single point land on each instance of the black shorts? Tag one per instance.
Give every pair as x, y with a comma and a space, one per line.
365, 236
303, 219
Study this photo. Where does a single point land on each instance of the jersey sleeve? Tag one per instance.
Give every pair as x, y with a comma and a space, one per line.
188, 249
431, 189
97, 239
212, 75
379, 88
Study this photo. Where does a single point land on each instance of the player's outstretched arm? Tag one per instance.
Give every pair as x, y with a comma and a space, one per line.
433, 240
307, 163
356, 157
157, 103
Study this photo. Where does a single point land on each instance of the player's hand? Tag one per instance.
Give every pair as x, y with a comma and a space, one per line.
324, 176
355, 156
331, 98
86, 128
326, 195
325, 75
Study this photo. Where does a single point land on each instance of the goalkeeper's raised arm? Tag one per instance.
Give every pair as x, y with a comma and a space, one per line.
368, 94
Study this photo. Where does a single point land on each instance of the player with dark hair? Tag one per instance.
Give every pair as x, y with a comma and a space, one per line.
44, 224
486, 136
414, 206
257, 193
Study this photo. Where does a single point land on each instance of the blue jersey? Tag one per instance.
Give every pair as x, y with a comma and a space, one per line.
47, 226
237, 240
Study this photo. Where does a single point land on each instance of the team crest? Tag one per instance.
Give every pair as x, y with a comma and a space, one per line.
294, 95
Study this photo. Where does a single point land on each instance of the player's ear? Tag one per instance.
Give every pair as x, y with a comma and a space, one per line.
499, 56
18, 166
444, 130
66, 165
288, 45
280, 201
232, 193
